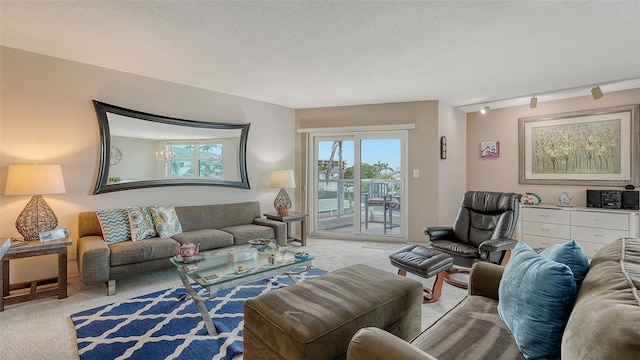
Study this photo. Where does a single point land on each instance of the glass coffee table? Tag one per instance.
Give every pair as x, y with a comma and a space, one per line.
214, 271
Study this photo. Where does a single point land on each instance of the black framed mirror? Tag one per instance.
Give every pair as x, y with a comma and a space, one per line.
141, 150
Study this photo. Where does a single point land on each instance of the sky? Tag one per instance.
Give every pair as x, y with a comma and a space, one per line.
373, 150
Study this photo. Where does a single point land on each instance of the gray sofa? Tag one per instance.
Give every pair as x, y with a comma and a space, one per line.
211, 226
604, 323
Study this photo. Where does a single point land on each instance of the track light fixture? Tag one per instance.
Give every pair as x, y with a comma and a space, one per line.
533, 103
596, 92
485, 109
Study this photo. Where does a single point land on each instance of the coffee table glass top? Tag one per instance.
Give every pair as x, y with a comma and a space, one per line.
214, 267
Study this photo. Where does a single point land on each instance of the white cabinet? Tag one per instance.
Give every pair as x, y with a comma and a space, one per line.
544, 225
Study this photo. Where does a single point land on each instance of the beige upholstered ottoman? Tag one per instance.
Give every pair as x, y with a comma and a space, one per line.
317, 318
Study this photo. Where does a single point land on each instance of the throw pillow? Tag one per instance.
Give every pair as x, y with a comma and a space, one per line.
166, 221
142, 226
536, 297
115, 225
571, 254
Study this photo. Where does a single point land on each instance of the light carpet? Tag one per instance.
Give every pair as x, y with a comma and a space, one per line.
161, 326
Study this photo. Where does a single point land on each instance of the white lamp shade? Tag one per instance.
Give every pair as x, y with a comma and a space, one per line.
34, 179
282, 179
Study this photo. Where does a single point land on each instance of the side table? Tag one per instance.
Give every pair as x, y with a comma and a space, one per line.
34, 248
292, 217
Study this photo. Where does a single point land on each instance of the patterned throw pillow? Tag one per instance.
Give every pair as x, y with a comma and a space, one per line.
142, 226
115, 225
166, 221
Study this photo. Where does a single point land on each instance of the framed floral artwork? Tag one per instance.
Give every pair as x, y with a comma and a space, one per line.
591, 147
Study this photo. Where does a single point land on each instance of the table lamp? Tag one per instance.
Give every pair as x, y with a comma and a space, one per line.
282, 179
36, 180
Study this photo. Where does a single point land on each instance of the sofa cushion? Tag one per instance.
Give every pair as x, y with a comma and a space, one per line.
472, 330
536, 296
115, 225
571, 254
131, 252
243, 233
208, 239
142, 226
605, 322
218, 216
166, 221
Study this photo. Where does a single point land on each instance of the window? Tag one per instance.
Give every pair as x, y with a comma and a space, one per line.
202, 159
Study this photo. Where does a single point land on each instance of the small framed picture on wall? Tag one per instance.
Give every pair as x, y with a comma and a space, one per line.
490, 149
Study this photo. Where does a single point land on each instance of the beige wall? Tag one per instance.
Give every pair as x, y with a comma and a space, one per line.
501, 174
423, 193
47, 117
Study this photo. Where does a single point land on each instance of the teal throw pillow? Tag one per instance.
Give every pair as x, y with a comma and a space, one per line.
115, 225
571, 254
166, 221
536, 296
142, 226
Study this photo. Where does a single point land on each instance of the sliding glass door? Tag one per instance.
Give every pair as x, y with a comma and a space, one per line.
358, 183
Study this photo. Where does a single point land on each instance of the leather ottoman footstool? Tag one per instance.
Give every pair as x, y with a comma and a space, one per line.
424, 262
316, 319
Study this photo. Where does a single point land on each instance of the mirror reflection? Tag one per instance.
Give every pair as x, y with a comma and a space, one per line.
141, 150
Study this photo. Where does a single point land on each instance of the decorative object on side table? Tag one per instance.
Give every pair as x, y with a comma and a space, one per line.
564, 199
282, 179
36, 180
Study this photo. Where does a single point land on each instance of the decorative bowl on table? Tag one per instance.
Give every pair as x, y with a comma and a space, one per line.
300, 255
260, 244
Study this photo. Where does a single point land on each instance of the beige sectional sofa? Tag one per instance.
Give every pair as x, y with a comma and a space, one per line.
603, 324
211, 226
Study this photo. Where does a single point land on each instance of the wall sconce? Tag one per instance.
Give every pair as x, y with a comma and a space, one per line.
533, 103
282, 179
36, 180
165, 155
485, 109
597, 93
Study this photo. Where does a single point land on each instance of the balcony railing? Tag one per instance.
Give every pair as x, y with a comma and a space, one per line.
336, 201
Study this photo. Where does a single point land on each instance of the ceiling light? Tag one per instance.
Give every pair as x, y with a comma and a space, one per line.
485, 109
533, 103
596, 92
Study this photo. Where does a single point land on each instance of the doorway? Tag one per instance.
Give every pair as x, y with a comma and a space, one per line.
357, 186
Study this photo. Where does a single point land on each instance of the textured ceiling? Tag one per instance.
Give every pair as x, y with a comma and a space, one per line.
330, 53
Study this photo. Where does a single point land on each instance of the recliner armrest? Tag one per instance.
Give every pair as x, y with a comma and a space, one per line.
496, 245
376, 344
439, 232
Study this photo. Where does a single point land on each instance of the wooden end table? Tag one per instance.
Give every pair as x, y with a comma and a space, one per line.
292, 217
34, 248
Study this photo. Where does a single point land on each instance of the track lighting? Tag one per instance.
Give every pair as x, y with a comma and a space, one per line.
485, 109
533, 103
596, 92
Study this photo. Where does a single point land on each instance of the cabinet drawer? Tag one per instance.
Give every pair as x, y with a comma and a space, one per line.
591, 248
600, 220
546, 229
552, 216
600, 236
541, 242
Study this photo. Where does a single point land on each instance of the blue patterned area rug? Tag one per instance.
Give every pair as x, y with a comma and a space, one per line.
160, 326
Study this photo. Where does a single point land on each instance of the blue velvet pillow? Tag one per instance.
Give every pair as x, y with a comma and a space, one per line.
536, 297
571, 254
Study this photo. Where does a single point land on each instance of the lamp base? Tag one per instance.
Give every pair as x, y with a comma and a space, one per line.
282, 203
37, 216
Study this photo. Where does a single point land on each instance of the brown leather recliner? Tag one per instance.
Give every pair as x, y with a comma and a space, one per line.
482, 231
